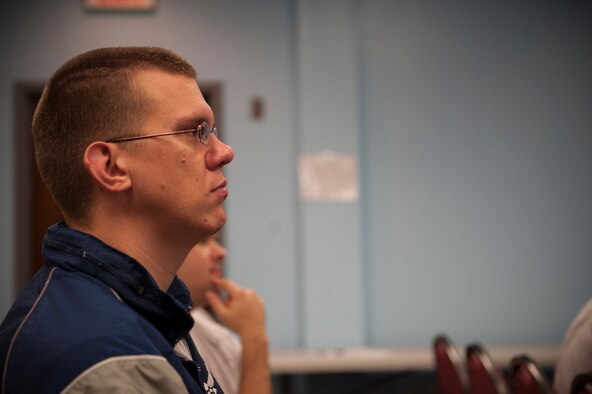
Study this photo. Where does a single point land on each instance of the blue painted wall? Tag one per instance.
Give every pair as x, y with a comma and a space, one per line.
471, 121
477, 150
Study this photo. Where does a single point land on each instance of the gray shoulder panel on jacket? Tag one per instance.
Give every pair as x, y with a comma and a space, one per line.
129, 374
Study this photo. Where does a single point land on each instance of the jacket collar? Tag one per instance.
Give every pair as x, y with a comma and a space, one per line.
74, 250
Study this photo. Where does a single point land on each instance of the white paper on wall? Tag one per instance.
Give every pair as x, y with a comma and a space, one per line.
328, 177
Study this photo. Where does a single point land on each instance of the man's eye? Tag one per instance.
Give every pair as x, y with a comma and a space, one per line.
195, 131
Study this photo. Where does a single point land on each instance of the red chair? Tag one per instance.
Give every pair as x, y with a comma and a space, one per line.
527, 378
450, 369
485, 378
582, 383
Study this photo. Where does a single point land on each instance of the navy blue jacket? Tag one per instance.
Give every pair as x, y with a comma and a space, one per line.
90, 305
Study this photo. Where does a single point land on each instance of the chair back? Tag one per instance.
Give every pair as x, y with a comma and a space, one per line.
485, 378
450, 369
527, 378
582, 383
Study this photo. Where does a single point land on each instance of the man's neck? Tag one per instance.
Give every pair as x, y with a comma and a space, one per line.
161, 256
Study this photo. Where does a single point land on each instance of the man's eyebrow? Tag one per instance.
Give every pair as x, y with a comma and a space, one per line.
187, 123
190, 122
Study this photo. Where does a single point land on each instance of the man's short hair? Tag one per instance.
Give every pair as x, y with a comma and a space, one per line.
90, 98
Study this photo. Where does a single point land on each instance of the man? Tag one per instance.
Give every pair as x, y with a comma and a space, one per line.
575, 356
125, 142
239, 366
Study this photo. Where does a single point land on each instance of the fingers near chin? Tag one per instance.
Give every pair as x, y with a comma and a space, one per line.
226, 284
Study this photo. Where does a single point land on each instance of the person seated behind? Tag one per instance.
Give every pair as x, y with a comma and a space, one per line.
240, 365
575, 355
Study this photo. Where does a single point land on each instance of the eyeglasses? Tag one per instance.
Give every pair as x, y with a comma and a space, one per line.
203, 132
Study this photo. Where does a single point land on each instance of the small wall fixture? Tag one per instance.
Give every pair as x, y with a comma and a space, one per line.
120, 5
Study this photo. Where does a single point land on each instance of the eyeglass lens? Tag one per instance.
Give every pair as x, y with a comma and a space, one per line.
205, 130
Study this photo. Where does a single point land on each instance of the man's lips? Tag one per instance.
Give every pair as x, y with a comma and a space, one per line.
221, 189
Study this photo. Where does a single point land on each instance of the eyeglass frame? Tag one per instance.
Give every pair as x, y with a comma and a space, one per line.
199, 131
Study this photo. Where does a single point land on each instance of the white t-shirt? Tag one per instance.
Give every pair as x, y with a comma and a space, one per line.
575, 355
219, 347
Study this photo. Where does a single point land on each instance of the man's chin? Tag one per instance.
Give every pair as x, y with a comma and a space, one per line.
216, 223
207, 227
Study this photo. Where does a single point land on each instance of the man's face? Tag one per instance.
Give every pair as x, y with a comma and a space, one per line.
201, 264
177, 181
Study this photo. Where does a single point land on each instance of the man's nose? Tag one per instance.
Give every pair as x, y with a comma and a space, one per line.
218, 154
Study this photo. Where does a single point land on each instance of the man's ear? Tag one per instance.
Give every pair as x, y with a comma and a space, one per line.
106, 166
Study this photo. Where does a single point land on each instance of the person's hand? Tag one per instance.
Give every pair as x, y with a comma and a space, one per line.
242, 310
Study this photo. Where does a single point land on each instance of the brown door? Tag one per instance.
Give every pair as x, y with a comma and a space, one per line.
35, 208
